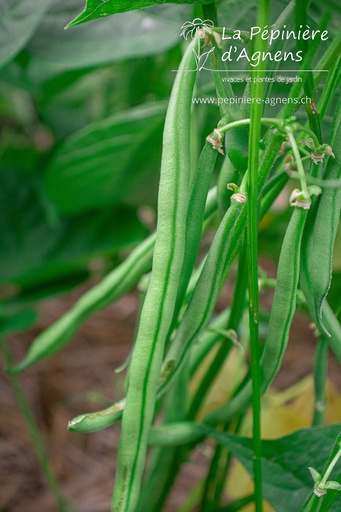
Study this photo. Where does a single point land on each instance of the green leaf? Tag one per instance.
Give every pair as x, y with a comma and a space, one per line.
17, 322
47, 282
332, 484
125, 36
36, 246
287, 482
108, 162
99, 8
18, 21
315, 475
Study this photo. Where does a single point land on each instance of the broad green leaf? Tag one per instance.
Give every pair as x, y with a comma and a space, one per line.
48, 281
18, 21
37, 246
17, 322
127, 35
98, 9
287, 482
112, 161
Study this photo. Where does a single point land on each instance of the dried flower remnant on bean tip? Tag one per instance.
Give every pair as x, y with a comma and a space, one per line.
215, 139
318, 153
237, 195
202, 34
284, 147
300, 199
313, 108
290, 164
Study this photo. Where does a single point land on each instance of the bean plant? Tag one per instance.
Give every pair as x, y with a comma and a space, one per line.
223, 182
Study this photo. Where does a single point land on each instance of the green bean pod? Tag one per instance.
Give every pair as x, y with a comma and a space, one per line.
219, 261
95, 421
318, 246
221, 254
92, 422
232, 228
284, 301
158, 309
176, 434
236, 142
118, 282
208, 340
195, 217
282, 313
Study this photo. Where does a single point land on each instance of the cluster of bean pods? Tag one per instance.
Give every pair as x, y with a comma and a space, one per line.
177, 326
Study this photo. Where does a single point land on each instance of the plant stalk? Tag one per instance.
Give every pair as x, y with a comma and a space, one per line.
33, 431
257, 91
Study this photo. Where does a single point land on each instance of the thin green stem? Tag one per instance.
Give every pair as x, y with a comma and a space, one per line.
330, 497
207, 502
238, 504
309, 84
330, 467
278, 123
313, 504
272, 121
33, 431
320, 377
330, 85
226, 459
257, 91
299, 164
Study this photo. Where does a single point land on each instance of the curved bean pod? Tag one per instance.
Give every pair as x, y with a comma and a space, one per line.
284, 302
118, 282
219, 261
200, 308
92, 422
282, 312
318, 246
158, 309
95, 421
236, 142
195, 217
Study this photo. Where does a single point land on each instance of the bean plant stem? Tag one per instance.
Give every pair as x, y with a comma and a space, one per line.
272, 121
320, 376
299, 164
33, 431
331, 467
257, 90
